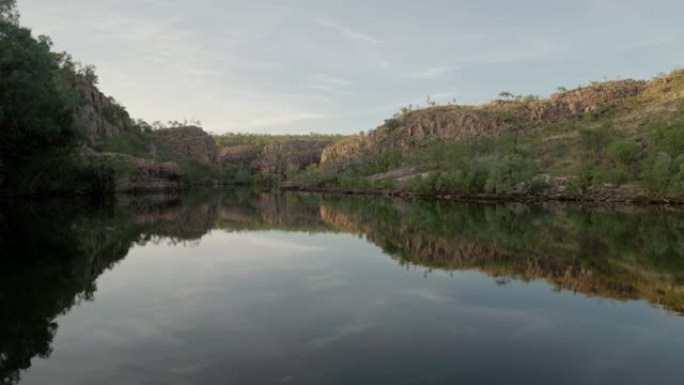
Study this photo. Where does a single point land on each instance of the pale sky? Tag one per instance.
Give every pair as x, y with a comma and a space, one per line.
300, 66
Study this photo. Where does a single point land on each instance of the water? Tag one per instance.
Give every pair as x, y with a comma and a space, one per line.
230, 287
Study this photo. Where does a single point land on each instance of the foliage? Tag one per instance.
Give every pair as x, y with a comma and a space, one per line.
657, 173
510, 173
670, 139
37, 97
624, 152
236, 139
8, 11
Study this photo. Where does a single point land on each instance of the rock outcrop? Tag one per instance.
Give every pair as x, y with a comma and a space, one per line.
100, 117
275, 158
583, 100
465, 122
190, 142
297, 154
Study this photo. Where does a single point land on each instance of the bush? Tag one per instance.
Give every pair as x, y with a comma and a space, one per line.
677, 179
670, 139
511, 174
624, 152
657, 173
594, 141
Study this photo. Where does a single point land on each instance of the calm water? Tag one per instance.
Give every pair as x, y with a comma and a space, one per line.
239, 288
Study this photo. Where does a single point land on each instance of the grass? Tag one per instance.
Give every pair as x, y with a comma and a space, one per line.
621, 141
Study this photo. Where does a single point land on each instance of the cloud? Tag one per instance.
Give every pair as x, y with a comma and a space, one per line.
321, 82
434, 72
346, 32
286, 119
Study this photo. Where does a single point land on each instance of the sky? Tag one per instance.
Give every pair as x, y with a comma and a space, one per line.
301, 66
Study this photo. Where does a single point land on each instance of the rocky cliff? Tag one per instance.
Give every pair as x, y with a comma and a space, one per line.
190, 142
454, 123
100, 117
277, 157
297, 154
138, 158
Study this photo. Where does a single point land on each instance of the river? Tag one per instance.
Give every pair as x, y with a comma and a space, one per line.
237, 287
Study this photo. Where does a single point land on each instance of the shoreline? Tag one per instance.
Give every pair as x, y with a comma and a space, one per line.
640, 200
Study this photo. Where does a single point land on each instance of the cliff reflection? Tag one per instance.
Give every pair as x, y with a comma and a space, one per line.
620, 253
53, 252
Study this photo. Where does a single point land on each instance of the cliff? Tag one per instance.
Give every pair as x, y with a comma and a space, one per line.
272, 156
190, 142
619, 140
132, 157
457, 123
277, 156
100, 117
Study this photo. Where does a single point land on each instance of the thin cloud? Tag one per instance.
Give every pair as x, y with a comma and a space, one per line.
433, 72
328, 83
346, 32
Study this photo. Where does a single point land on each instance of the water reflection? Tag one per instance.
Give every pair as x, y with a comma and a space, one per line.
54, 251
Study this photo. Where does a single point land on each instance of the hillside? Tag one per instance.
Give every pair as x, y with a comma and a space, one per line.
59, 134
267, 160
616, 140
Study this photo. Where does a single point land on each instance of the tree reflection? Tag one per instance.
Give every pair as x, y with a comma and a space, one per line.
619, 252
53, 252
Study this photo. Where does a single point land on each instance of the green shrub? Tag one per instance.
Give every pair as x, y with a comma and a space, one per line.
677, 179
509, 172
594, 141
624, 152
657, 172
670, 139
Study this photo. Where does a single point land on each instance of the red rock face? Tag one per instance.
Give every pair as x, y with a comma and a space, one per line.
191, 142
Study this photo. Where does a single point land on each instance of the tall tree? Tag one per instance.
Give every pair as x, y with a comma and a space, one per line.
37, 97
8, 11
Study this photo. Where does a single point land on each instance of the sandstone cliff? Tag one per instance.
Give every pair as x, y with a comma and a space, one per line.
190, 142
278, 157
455, 123
100, 117
297, 154
139, 158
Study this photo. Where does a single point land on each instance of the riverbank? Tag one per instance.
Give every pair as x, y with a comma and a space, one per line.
595, 195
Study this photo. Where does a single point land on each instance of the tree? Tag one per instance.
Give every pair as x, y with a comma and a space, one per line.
510, 172
658, 174
88, 73
36, 98
505, 95
8, 11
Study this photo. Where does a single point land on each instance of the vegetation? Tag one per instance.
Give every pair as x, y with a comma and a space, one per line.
37, 96
43, 144
604, 137
619, 138
237, 139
